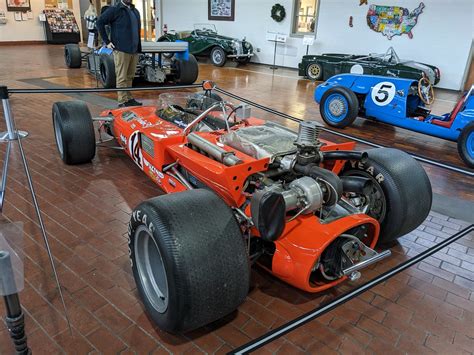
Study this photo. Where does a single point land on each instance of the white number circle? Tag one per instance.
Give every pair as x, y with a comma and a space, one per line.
357, 69
383, 93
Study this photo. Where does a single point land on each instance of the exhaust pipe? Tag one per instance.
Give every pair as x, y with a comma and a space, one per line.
221, 155
356, 184
363, 264
345, 155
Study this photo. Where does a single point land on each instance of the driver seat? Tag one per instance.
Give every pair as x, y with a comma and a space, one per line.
452, 116
183, 34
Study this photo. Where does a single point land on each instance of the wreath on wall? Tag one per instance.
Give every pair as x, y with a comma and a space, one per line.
278, 12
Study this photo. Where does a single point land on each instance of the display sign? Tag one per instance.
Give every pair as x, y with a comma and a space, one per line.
308, 40
276, 37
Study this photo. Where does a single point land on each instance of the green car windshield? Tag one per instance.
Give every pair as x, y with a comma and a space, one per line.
205, 28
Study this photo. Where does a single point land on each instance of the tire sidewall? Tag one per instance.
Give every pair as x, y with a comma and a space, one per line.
64, 136
144, 215
394, 211
67, 56
465, 139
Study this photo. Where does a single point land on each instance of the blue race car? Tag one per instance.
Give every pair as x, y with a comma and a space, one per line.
399, 102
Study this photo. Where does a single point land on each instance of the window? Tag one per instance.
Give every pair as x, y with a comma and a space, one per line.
305, 17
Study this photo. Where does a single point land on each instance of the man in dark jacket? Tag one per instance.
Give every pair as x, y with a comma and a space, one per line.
124, 22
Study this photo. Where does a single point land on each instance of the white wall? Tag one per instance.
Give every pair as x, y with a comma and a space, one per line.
442, 36
31, 30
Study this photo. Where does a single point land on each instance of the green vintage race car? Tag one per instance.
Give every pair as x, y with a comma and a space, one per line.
204, 41
322, 67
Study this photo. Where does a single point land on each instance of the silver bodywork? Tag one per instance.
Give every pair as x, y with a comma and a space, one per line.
267, 141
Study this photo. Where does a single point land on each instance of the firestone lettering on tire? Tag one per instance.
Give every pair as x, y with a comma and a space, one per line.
370, 169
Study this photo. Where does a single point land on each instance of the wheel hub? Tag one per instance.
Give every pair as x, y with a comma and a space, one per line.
337, 107
374, 202
217, 57
151, 269
470, 145
314, 71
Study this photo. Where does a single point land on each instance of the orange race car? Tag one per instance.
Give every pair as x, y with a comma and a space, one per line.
242, 190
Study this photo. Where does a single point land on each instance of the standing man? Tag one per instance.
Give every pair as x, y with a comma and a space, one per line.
124, 22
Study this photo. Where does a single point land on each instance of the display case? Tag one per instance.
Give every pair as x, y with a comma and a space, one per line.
61, 27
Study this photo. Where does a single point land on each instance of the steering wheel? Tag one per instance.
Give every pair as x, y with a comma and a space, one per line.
426, 91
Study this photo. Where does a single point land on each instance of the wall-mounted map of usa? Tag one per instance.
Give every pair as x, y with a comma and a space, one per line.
393, 20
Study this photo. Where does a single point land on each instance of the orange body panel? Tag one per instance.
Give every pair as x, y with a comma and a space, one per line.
303, 242
304, 239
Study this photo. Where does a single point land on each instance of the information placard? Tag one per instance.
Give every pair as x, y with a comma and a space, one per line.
276, 37
308, 40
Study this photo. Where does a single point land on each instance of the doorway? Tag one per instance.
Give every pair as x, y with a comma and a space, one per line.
148, 18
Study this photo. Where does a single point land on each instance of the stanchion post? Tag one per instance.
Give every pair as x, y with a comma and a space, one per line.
274, 67
15, 318
13, 135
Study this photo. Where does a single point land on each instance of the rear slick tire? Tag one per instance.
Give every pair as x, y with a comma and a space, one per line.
401, 196
187, 70
107, 71
188, 259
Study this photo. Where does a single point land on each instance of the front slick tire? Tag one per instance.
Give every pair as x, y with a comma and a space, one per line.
74, 132
401, 196
188, 259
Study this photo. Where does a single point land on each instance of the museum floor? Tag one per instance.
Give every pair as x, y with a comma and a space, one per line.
427, 309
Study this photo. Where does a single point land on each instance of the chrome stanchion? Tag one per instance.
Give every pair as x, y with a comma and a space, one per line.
13, 135
15, 318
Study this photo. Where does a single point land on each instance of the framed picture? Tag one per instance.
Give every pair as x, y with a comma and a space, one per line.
221, 10
18, 5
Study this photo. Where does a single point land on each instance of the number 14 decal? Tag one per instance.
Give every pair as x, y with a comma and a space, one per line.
383, 93
135, 149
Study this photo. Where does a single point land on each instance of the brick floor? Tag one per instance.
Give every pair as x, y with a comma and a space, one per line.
428, 308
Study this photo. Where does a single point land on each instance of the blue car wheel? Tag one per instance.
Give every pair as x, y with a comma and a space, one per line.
339, 107
466, 144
